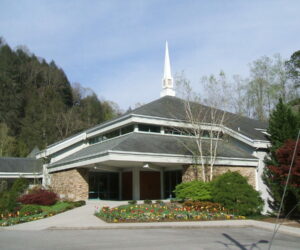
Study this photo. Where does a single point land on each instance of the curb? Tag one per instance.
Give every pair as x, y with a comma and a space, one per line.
207, 224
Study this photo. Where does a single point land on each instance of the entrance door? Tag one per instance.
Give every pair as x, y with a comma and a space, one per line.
149, 185
103, 186
171, 179
127, 186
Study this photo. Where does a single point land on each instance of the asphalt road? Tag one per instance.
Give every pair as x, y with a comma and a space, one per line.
186, 239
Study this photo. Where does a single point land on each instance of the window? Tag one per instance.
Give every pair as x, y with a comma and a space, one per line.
111, 134
95, 139
149, 128
178, 131
127, 129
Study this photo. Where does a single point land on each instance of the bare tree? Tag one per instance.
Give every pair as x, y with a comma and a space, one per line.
205, 124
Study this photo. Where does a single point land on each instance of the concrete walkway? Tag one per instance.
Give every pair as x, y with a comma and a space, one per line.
83, 218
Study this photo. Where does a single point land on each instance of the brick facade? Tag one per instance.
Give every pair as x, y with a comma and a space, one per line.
193, 172
71, 184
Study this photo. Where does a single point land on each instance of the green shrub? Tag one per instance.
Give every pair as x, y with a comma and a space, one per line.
234, 193
147, 201
3, 186
194, 190
8, 201
133, 202
30, 210
20, 185
160, 202
79, 203
176, 200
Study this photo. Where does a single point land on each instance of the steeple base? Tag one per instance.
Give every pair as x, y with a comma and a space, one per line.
167, 91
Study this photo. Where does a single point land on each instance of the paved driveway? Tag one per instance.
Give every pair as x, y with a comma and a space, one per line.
198, 238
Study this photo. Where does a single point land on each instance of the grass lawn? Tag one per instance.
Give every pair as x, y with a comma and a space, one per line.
162, 212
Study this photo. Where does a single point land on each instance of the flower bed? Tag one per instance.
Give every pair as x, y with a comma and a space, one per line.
8, 219
162, 212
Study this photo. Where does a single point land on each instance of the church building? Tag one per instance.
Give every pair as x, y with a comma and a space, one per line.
143, 154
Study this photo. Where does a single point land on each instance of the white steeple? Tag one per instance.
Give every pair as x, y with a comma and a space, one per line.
167, 81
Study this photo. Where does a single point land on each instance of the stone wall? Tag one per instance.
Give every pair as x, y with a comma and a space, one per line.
71, 184
193, 172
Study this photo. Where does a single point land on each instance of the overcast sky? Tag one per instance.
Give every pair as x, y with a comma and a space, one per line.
116, 48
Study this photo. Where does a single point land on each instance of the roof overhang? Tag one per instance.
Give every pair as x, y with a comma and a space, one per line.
119, 158
19, 175
135, 118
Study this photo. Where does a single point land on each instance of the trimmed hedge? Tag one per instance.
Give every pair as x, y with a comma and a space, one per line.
194, 190
234, 193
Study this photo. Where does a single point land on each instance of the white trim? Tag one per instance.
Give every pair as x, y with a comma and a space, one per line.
247, 140
149, 157
111, 127
18, 175
62, 145
68, 152
154, 120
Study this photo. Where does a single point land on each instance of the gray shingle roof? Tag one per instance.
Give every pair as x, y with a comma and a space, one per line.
174, 108
152, 143
20, 165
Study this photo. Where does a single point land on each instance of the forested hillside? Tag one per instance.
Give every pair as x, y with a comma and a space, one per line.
38, 105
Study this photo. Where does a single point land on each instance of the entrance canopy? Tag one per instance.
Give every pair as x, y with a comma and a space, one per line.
136, 148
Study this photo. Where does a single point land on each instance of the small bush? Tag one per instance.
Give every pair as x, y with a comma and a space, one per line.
234, 193
40, 197
160, 202
79, 203
194, 190
133, 202
176, 200
147, 201
3, 186
20, 185
30, 210
8, 201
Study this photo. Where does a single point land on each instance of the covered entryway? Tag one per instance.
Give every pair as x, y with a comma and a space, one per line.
135, 183
104, 186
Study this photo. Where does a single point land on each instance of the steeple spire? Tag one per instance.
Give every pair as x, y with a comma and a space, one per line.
167, 81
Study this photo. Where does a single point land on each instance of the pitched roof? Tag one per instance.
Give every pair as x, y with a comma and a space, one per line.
153, 143
170, 107
174, 108
20, 165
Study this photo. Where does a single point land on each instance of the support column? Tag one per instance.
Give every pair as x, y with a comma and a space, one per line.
135, 183
162, 183
120, 185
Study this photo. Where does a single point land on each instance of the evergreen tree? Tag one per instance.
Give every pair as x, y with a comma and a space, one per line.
283, 125
38, 104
